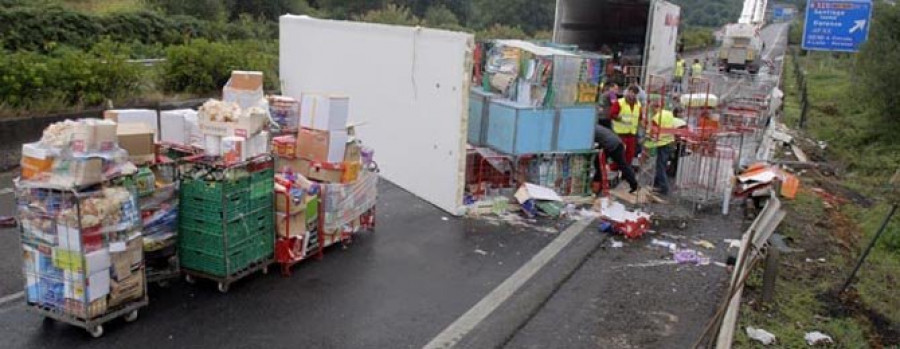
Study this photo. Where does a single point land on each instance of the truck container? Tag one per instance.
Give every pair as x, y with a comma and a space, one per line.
645, 32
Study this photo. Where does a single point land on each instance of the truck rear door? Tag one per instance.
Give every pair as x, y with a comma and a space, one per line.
662, 39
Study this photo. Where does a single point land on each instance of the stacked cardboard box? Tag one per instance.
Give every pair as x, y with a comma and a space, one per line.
234, 128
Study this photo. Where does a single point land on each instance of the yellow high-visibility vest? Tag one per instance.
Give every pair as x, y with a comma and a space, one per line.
697, 70
665, 121
679, 68
628, 118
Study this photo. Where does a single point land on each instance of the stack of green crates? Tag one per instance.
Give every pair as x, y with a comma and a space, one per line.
226, 226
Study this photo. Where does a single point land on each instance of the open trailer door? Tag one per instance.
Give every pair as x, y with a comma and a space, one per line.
662, 37
409, 85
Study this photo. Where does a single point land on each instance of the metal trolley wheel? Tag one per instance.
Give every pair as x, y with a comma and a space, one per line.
96, 331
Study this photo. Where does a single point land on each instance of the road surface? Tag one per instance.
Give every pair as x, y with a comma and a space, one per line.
425, 278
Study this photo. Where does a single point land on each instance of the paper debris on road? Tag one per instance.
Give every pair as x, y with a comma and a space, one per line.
816, 337
760, 335
705, 244
530, 191
733, 243
666, 244
616, 244
481, 252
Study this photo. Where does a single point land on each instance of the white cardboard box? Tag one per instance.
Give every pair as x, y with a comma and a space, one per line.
324, 112
180, 126
133, 116
94, 287
244, 88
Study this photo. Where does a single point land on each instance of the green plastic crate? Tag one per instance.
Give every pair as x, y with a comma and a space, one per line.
264, 188
259, 176
261, 203
196, 260
232, 206
214, 188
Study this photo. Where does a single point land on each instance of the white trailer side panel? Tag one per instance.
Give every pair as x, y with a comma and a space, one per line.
409, 86
663, 38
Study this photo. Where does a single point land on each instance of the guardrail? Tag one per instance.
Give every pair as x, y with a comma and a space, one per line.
800, 75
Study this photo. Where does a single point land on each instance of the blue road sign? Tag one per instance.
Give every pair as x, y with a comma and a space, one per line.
836, 25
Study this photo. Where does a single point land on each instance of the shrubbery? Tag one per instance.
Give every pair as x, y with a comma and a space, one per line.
44, 28
29, 80
203, 67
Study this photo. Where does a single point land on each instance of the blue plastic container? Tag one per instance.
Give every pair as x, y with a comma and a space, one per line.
519, 129
479, 100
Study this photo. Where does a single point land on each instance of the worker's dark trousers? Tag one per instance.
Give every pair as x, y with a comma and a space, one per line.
618, 156
661, 180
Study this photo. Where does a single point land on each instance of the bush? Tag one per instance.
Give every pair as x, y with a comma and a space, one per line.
203, 67
499, 31
391, 14
44, 28
69, 77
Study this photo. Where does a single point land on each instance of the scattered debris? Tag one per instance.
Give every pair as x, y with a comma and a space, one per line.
705, 244
690, 257
816, 337
616, 244
649, 264
481, 252
642, 196
632, 224
445, 219
666, 244
760, 335
733, 243
801, 156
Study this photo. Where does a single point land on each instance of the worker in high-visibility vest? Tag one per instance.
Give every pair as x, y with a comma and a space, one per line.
678, 76
626, 116
661, 139
697, 69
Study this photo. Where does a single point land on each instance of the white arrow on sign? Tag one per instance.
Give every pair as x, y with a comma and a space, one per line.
859, 25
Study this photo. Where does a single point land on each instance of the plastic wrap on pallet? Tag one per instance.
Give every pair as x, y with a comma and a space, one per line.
342, 203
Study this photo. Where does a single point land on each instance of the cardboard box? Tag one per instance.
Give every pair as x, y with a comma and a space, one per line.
92, 310
321, 146
135, 116
290, 225
326, 172
72, 261
234, 149
351, 172
324, 112
137, 139
352, 152
125, 256
36, 161
180, 126
297, 165
258, 144
285, 146
94, 287
77, 171
127, 289
104, 135
244, 88
245, 126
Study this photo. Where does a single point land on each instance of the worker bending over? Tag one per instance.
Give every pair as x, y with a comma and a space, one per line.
612, 146
626, 116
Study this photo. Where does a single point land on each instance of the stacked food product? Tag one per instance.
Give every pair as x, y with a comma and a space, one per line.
81, 238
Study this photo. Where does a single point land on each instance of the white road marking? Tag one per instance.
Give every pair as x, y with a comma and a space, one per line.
5, 191
11, 298
451, 335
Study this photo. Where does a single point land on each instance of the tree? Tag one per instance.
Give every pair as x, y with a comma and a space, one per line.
441, 17
878, 64
500, 31
346, 9
392, 14
268, 9
213, 10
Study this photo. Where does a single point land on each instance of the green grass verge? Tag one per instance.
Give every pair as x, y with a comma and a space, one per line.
839, 118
